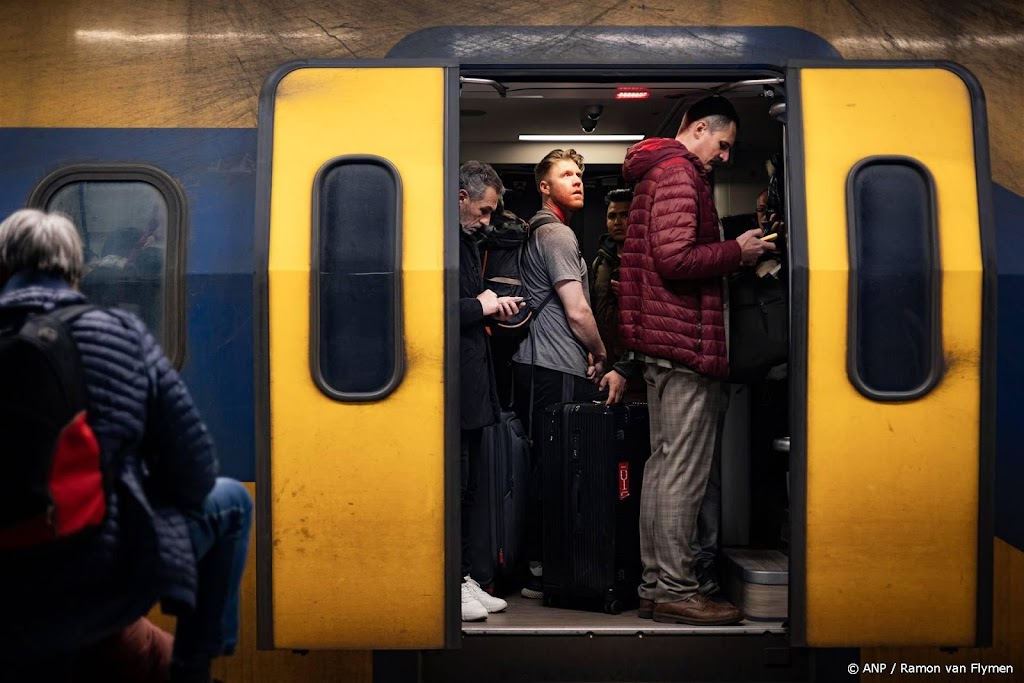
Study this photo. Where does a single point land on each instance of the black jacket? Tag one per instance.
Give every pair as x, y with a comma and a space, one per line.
603, 270
479, 403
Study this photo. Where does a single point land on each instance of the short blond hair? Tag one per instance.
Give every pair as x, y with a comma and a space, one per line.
34, 240
551, 158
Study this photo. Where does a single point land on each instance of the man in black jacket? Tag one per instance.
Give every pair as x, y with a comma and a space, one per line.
480, 188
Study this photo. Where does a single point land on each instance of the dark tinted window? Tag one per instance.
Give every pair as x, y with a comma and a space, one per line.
895, 280
130, 220
357, 352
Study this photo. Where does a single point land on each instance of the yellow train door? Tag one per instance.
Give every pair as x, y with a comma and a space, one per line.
893, 356
356, 268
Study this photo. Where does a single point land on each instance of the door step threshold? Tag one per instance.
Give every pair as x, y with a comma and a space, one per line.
525, 617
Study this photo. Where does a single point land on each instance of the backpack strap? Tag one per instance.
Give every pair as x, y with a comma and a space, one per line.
65, 314
541, 222
32, 317
533, 364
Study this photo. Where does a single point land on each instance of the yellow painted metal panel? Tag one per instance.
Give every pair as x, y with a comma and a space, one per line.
358, 489
892, 488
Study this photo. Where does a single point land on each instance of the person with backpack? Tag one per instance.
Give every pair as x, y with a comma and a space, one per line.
480, 189
110, 499
562, 357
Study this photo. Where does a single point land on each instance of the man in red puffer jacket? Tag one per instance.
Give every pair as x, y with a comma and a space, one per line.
671, 319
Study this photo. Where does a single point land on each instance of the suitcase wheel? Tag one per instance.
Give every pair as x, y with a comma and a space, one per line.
613, 606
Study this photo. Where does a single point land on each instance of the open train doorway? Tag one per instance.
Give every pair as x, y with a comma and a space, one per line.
511, 121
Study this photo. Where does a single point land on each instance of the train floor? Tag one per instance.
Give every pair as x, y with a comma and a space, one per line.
526, 617
532, 643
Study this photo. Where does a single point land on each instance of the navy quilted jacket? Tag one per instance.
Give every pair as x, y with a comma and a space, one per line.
150, 433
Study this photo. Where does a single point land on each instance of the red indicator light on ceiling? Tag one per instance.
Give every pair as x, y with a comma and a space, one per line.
632, 93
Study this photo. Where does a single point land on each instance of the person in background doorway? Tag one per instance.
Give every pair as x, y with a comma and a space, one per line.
604, 289
604, 271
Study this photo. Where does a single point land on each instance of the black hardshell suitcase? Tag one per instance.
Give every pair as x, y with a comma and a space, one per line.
593, 457
499, 509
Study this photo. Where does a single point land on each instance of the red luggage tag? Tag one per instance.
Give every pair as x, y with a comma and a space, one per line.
623, 480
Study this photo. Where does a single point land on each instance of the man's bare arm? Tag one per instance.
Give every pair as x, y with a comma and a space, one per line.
581, 317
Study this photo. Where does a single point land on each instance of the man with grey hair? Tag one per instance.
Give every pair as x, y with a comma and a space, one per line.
480, 188
171, 531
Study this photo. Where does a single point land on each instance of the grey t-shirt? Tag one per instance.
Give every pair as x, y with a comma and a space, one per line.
552, 255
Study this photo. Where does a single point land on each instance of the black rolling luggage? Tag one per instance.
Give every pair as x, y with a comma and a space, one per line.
593, 458
499, 508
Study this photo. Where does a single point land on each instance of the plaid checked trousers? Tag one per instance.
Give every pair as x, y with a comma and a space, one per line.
684, 411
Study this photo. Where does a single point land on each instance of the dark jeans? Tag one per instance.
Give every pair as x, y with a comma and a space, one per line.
468, 462
220, 540
549, 387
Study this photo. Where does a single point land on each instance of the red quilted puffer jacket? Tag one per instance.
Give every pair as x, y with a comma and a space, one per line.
670, 292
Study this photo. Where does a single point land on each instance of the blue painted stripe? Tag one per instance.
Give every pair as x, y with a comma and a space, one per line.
217, 170
1009, 462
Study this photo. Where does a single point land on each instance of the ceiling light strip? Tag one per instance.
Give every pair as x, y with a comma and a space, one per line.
580, 138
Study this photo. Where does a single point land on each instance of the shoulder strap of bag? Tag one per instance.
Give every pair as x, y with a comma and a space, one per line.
66, 314
534, 224
533, 363
542, 221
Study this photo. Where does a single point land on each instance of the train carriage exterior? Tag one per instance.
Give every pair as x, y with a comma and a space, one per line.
223, 133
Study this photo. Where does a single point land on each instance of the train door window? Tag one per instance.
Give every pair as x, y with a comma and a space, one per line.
131, 220
895, 333
356, 339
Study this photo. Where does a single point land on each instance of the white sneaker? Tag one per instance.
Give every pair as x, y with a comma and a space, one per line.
472, 610
490, 603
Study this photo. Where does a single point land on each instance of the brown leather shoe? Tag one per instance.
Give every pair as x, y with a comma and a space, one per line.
697, 610
646, 609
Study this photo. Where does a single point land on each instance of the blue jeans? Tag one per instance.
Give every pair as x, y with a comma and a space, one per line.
220, 541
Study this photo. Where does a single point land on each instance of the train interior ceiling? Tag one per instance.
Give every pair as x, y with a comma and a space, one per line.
494, 115
754, 470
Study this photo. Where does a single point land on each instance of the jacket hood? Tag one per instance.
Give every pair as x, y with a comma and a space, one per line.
645, 155
606, 248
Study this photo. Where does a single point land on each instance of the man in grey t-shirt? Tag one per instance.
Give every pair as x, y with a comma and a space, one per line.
563, 357
552, 256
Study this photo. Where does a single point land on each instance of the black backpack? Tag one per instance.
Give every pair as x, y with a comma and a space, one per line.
53, 487
501, 254
758, 326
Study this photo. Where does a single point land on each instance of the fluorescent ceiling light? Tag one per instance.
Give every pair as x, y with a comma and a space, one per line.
580, 138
